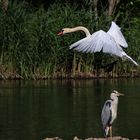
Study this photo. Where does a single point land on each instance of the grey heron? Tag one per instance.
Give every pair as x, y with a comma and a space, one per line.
110, 42
109, 112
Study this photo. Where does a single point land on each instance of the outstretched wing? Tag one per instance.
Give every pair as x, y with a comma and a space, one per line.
98, 41
106, 114
116, 33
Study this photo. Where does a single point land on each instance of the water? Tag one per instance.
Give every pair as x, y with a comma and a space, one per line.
33, 110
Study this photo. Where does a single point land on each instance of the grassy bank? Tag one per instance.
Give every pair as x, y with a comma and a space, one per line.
30, 49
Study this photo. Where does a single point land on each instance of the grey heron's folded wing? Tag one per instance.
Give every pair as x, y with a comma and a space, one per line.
106, 113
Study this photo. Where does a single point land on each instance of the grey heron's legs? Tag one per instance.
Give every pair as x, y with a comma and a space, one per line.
110, 129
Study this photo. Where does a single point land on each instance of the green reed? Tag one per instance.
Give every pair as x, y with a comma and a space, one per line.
30, 47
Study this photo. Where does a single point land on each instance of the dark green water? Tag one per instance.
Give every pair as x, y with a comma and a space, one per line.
33, 110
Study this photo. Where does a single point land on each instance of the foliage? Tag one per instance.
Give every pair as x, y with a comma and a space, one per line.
29, 44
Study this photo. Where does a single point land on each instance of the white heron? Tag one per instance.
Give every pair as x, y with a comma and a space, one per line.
109, 112
110, 42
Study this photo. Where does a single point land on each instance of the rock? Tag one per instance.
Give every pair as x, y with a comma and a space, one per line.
91, 138
76, 138
54, 138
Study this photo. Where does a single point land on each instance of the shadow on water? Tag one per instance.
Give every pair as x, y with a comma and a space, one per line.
33, 110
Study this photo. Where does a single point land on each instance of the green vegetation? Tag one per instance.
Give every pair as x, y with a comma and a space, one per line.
30, 48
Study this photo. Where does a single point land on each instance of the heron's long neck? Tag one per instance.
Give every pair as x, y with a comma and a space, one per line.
80, 28
115, 101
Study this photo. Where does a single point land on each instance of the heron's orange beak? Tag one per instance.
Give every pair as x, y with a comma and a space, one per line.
60, 33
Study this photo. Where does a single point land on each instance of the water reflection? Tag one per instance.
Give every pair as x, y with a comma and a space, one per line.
33, 110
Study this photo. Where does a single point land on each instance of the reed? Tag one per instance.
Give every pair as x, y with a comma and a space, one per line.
29, 45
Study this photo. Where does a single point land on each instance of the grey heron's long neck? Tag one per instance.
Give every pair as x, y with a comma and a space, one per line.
81, 28
115, 100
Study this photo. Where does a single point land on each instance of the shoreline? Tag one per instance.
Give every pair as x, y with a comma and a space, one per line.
77, 75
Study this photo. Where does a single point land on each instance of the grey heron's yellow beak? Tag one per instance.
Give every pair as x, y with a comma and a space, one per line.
120, 94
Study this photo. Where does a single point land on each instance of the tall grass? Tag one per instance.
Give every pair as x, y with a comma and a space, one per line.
30, 47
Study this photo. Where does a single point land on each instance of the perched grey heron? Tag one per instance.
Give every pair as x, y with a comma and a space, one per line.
109, 112
110, 42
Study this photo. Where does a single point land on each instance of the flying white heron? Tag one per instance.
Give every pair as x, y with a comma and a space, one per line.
110, 42
109, 112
